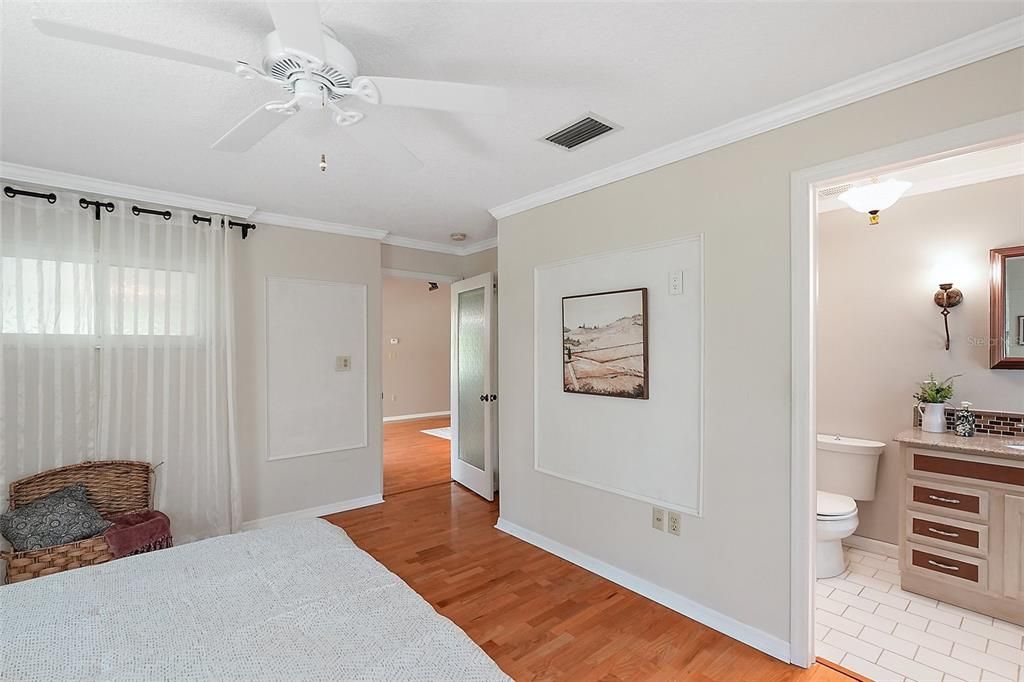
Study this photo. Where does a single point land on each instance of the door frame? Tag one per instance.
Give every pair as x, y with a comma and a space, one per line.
485, 478
803, 287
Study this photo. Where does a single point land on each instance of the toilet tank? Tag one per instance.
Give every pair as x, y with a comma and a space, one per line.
848, 466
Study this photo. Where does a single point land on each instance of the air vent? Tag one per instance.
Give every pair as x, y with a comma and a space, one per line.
582, 131
829, 192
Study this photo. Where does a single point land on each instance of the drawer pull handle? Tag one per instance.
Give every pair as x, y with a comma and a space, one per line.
945, 566
943, 532
947, 500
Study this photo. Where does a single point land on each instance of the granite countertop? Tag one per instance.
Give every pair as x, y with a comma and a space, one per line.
981, 444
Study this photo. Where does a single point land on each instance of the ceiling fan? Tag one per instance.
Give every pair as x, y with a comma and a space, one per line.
304, 57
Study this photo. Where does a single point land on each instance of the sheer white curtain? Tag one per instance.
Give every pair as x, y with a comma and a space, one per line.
117, 343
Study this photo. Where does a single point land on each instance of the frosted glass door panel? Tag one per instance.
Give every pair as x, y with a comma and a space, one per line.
472, 370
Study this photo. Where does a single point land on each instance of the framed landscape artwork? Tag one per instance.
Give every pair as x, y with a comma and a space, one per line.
604, 344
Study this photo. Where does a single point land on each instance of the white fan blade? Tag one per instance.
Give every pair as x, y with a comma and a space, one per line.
250, 130
381, 146
59, 29
299, 27
442, 95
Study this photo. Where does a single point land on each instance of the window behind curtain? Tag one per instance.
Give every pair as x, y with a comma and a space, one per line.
49, 297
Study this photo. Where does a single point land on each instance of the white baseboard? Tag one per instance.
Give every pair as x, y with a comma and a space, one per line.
410, 417
771, 645
872, 545
313, 512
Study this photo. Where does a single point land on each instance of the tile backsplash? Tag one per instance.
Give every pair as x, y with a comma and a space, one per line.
989, 423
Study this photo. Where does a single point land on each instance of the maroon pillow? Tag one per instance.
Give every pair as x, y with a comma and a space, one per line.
136, 531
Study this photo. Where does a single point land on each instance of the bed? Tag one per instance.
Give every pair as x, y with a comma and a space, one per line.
297, 601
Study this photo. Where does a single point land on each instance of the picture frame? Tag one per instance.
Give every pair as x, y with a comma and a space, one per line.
605, 344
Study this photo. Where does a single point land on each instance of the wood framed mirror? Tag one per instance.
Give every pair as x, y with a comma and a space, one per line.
1006, 308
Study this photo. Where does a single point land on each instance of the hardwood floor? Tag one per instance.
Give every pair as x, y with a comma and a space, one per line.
537, 616
415, 460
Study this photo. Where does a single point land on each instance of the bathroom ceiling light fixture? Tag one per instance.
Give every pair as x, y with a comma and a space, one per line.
947, 297
874, 197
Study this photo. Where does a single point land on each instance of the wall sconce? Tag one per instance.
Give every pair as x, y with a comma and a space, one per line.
874, 197
947, 297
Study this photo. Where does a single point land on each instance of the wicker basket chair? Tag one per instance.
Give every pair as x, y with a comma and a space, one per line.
113, 487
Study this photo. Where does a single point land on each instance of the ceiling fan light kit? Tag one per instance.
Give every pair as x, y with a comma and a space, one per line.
305, 58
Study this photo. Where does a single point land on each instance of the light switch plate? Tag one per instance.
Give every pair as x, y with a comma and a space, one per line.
343, 363
657, 518
675, 283
394, 340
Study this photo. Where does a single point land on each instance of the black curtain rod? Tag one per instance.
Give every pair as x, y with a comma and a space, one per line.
196, 219
12, 192
166, 215
108, 206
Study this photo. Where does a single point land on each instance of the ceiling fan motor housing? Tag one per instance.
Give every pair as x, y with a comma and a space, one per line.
338, 71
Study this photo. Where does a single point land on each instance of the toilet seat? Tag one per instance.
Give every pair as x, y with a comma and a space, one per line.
833, 507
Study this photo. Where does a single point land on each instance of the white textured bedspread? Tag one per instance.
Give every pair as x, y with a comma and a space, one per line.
290, 602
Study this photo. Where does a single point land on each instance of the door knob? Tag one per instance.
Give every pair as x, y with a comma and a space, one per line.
483, 398
494, 396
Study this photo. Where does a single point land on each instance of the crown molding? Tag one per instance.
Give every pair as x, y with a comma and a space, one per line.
450, 249
409, 243
118, 190
972, 177
974, 47
482, 245
318, 225
14, 172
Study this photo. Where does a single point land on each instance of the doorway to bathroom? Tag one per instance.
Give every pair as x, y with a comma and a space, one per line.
864, 324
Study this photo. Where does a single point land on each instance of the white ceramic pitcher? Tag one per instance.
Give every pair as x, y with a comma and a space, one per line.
933, 417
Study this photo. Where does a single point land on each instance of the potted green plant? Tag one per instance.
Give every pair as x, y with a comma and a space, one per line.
932, 396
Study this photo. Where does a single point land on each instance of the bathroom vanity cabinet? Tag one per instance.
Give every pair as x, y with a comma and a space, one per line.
962, 532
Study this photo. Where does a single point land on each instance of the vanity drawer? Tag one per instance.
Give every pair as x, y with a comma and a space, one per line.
967, 468
953, 500
950, 567
951, 534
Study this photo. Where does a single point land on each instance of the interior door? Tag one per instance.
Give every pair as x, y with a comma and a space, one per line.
474, 389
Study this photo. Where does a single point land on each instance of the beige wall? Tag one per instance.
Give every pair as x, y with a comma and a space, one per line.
415, 370
291, 485
414, 260
479, 263
734, 559
282, 486
879, 333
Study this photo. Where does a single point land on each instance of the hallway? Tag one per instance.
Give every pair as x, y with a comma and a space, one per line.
413, 459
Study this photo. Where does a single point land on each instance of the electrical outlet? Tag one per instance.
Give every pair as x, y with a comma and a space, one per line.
657, 518
342, 363
675, 523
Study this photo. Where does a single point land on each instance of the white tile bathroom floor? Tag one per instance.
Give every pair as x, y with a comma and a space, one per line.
864, 622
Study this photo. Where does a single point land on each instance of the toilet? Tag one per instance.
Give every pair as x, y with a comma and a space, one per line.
847, 470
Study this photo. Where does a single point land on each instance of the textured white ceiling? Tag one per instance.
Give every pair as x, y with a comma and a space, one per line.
663, 71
